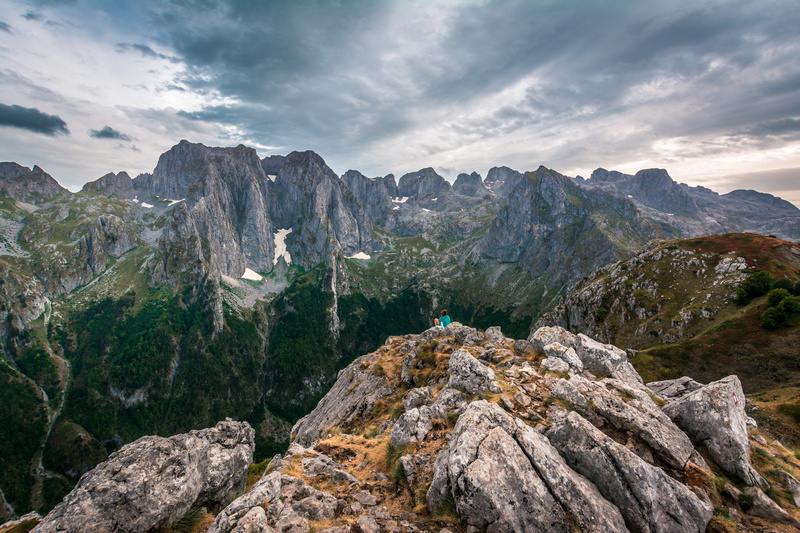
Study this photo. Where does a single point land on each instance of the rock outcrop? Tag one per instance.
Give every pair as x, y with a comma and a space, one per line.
30, 186
154, 481
715, 415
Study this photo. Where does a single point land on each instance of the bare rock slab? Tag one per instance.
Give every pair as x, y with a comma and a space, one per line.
154, 481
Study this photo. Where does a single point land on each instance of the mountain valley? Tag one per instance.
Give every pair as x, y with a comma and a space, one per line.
226, 285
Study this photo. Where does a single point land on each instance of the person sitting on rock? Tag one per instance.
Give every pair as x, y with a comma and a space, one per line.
444, 320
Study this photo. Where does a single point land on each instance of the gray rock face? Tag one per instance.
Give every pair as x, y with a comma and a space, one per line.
674, 389
119, 185
31, 186
648, 499
265, 491
464, 335
764, 507
568, 355
344, 402
502, 180
374, 195
412, 426
715, 415
470, 185
602, 359
505, 476
331, 217
532, 228
153, 481
423, 183
470, 375
631, 410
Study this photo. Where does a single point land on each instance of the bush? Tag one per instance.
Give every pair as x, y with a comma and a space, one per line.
783, 283
776, 296
756, 284
796, 289
782, 314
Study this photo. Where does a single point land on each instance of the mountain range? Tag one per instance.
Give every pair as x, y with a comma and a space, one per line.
223, 284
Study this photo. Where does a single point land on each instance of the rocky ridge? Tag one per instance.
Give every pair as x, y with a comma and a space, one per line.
670, 290
466, 430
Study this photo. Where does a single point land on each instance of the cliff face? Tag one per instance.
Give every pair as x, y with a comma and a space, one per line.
553, 228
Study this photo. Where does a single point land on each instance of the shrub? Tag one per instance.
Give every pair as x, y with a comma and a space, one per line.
796, 289
776, 296
783, 283
756, 284
782, 314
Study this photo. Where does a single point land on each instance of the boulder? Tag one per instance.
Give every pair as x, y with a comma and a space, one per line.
265, 491
448, 400
792, 485
599, 358
633, 411
504, 476
465, 335
764, 507
154, 481
715, 415
417, 397
470, 375
648, 499
606, 359
555, 364
550, 334
495, 336
556, 349
673, 389
412, 426
432, 333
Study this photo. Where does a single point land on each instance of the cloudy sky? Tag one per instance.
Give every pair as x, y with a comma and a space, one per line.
709, 90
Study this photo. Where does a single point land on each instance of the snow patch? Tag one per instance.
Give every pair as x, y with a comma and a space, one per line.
630, 196
395, 208
434, 199
148, 206
173, 202
359, 255
272, 177
251, 275
399, 200
280, 246
426, 210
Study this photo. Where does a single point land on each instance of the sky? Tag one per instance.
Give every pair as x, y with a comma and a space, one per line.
709, 90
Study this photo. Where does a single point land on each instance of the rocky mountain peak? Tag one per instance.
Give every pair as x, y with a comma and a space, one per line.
31, 186
119, 185
425, 182
470, 185
764, 200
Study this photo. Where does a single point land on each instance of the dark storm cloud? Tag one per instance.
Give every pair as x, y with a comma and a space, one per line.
32, 15
32, 119
5, 27
310, 70
109, 133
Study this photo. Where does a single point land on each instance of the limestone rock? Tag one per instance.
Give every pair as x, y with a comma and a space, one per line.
764, 507
470, 375
569, 356
412, 426
355, 393
448, 400
648, 499
674, 389
465, 335
555, 364
715, 415
417, 398
639, 416
505, 476
265, 491
153, 481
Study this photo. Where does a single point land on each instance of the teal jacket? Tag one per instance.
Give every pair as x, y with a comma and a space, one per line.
444, 321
